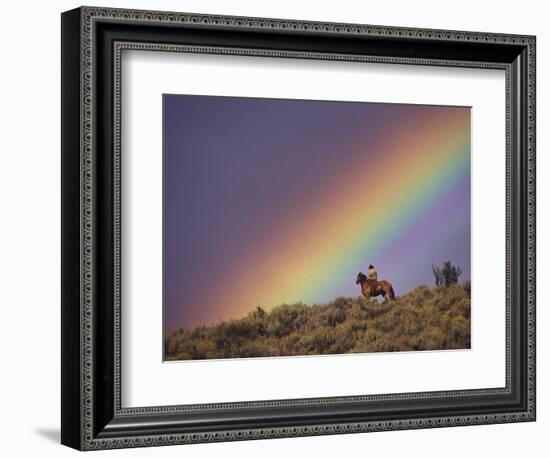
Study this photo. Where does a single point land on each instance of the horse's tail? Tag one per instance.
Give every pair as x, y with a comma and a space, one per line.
392, 293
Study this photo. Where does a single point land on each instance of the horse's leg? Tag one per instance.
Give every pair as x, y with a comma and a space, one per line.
370, 293
387, 292
381, 292
366, 292
391, 293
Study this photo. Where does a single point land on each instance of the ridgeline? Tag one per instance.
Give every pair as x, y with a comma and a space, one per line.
423, 319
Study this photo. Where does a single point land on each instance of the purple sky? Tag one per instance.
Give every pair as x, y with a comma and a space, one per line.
236, 167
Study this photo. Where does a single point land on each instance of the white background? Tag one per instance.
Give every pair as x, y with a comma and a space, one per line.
148, 75
29, 242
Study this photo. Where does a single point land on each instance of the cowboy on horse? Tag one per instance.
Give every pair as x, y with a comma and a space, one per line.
371, 287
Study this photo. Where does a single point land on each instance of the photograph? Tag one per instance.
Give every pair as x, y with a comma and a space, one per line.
314, 227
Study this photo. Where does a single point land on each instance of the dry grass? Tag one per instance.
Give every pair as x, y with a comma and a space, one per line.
423, 319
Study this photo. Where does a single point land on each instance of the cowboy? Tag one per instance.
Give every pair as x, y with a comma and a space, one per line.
372, 276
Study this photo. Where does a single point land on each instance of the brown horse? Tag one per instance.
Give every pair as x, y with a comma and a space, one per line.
373, 288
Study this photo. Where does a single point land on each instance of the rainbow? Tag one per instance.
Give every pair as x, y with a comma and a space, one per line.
361, 216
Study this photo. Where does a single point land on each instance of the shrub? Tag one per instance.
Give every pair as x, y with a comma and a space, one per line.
467, 285
447, 274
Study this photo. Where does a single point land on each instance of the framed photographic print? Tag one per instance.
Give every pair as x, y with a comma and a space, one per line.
276, 228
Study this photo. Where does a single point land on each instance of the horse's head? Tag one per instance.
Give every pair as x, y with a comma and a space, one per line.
361, 278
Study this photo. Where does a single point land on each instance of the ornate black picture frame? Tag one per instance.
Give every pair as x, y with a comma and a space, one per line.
92, 42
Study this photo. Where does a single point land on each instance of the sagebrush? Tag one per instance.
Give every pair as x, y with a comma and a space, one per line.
423, 319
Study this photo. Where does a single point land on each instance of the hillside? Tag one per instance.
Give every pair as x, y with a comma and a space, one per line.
423, 319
